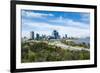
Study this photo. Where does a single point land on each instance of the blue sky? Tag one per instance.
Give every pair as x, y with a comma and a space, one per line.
74, 24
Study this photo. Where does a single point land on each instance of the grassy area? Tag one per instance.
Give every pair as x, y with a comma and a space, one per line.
41, 52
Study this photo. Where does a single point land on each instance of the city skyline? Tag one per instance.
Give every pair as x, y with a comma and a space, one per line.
74, 24
55, 35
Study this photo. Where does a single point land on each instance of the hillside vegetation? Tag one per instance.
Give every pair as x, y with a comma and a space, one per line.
41, 52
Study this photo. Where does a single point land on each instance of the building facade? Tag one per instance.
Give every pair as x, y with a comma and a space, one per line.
56, 34
32, 35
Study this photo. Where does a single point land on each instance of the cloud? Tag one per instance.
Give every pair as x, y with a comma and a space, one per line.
78, 24
46, 28
70, 22
85, 17
34, 14
61, 24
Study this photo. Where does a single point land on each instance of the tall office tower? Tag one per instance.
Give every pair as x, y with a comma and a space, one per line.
65, 35
55, 34
37, 36
32, 35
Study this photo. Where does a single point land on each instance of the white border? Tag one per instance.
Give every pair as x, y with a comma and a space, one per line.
20, 65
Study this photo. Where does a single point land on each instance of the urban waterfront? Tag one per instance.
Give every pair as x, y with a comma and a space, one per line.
54, 48
54, 36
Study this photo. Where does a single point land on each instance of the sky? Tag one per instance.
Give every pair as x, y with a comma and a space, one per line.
74, 24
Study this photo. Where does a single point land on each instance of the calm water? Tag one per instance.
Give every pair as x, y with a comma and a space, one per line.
81, 40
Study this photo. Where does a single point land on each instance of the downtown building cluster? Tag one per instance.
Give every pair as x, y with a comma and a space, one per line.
37, 36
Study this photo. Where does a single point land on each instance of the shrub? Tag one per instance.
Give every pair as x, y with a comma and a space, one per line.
41, 52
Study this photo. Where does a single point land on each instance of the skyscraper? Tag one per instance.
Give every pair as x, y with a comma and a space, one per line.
37, 36
32, 35
56, 34
65, 35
